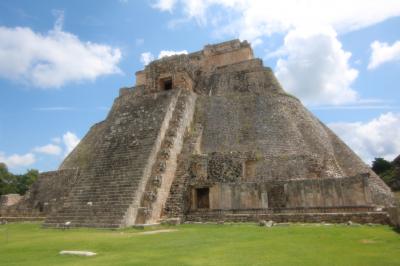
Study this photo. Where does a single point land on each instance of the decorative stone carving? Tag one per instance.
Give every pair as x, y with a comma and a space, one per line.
157, 181
151, 196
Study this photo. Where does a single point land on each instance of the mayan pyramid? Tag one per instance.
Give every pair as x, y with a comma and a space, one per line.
208, 136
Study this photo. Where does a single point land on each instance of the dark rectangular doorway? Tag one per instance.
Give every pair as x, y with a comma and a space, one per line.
202, 197
167, 84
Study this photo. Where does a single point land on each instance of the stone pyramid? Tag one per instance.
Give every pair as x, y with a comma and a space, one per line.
209, 136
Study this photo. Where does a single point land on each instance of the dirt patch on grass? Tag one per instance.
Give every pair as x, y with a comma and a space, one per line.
157, 232
368, 241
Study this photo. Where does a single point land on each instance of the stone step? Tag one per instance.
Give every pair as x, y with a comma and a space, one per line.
105, 191
100, 198
110, 187
98, 214
97, 225
109, 211
97, 206
79, 217
113, 195
83, 221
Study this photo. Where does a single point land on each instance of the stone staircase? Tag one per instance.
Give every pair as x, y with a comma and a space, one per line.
164, 170
111, 186
175, 205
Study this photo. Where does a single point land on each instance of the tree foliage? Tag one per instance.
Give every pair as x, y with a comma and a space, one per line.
16, 184
386, 170
380, 165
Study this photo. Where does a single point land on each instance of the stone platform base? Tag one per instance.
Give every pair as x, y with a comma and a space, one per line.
357, 217
21, 219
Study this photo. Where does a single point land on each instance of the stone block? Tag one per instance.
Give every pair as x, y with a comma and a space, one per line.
171, 221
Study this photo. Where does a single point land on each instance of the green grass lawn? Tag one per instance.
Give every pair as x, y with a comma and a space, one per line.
239, 244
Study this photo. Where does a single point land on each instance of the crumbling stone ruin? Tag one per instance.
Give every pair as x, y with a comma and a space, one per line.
208, 136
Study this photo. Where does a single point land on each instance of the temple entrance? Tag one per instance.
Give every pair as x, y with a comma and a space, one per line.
166, 84
202, 198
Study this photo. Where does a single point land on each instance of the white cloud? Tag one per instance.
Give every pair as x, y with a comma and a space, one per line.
146, 58
53, 59
70, 141
312, 63
165, 5
50, 149
16, 160
252, 19
376, 138
383, 53
165, 53
314, 67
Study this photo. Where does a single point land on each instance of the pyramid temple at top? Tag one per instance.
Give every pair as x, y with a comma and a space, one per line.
207, 136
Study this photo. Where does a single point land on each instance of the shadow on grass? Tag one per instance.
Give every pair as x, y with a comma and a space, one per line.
396, 229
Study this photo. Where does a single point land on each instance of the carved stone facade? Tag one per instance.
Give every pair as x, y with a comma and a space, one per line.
209, 135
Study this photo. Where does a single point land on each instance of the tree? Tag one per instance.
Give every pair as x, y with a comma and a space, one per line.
380, 165
10, 183
384, 169
7, 182
3, 175
3, 169
26, 180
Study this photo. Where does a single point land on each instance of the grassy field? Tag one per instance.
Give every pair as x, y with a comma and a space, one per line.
239, 244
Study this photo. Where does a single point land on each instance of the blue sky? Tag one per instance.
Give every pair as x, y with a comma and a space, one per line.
63, 62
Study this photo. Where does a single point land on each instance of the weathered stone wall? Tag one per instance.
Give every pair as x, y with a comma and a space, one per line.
394, 214
140, 78
243, 77
9, 199
207, 60
254, 134
352, 165
246, 110
332, 192
225, 54
45, 196
351, 191
362, 217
